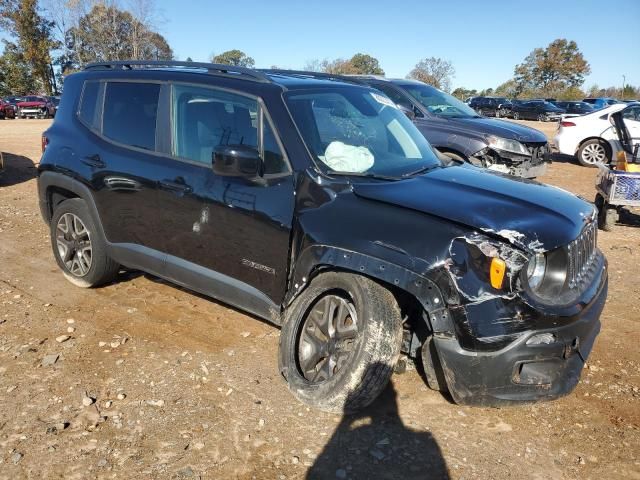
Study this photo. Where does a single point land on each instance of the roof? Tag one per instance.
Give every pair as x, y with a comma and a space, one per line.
288, 79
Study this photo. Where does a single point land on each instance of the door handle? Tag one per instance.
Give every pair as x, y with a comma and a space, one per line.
175, 186
94, 161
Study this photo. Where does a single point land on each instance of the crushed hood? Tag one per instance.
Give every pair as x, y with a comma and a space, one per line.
528, 214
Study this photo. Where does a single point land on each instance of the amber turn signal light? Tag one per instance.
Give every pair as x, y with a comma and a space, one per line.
497, 271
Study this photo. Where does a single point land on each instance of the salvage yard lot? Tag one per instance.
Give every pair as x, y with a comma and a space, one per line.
185, 387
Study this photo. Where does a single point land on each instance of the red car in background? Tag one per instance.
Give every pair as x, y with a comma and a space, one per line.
7, 110
36, 107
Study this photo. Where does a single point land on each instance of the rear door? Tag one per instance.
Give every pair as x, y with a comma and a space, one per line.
631, 119
230, 233
119, 158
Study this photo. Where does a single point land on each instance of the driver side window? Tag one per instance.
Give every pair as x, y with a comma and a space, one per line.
205, 118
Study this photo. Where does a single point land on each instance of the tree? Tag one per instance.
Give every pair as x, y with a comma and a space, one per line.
366, 64
434, 71
107, 33
359, 64
189, 59
237, 58
557, 67
463, 93
15, 72
34, 38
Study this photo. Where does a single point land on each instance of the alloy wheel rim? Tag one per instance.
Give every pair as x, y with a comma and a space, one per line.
328, 338
594, 153
74, 244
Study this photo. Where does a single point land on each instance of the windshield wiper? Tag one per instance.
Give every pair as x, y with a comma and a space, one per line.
419, 171
363, 175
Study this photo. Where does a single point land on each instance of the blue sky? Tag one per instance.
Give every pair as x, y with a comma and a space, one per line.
484, 39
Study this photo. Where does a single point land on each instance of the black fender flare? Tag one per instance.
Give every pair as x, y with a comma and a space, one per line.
316, 258
48, 179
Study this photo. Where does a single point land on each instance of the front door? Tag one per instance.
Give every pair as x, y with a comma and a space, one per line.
233, 231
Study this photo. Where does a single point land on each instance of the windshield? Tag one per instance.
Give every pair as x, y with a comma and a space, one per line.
361, 131
439, 103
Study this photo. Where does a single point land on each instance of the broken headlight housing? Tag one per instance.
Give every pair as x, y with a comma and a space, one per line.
536, 268
507, 145
546, 273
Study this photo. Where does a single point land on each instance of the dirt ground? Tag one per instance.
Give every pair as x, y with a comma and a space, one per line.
185, 387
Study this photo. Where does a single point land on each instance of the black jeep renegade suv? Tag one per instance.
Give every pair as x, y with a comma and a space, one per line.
316, 204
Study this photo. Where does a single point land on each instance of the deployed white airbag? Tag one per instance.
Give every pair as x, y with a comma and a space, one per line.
347, 158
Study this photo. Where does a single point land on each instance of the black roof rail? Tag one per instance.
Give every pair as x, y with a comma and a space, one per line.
304, 73
211, 68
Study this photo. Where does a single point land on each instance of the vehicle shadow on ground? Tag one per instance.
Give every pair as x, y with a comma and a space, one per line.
375, 444
562, 158
17, 169
629, 218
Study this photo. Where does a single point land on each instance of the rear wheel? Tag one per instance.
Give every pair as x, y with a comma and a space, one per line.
593, 152
340, 342
516, 116
542, 117
78, 248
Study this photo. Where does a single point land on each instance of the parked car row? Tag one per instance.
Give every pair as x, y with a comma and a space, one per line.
30, 106
541, 109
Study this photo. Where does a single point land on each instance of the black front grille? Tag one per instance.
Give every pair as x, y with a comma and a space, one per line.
582, 253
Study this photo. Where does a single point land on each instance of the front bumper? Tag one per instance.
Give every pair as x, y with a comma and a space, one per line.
33, 111
519, 372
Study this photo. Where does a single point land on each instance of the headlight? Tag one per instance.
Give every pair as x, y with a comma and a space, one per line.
513, 146
536, 269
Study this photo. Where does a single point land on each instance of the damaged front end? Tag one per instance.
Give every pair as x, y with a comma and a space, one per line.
527, 160
522, 335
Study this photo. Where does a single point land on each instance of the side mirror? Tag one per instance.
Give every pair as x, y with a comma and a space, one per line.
408, 111
236, 161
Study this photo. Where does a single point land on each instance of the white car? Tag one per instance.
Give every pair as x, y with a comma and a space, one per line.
593, 138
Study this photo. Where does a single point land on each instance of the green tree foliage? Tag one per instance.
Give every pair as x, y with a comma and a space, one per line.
15, 73
366, 64
359, 64
33, 38
464, 93
555, 68
235, 57
108, 33
434, 71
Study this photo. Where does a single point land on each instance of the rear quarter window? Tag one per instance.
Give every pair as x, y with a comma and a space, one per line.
89, 111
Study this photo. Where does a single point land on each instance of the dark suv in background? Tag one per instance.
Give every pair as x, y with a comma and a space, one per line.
540, 110
317, 205
491, 106
574, 108
457, 130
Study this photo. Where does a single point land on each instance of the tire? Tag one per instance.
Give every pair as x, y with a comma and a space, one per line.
542, 117
481, 112
85, 262
516, 116
432, 367
364, 371
593, 152
607, 215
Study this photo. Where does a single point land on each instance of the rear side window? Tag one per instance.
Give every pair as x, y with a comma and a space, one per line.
88, 111
130, 113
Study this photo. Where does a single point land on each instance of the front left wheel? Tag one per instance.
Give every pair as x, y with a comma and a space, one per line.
340, 342
78, 247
